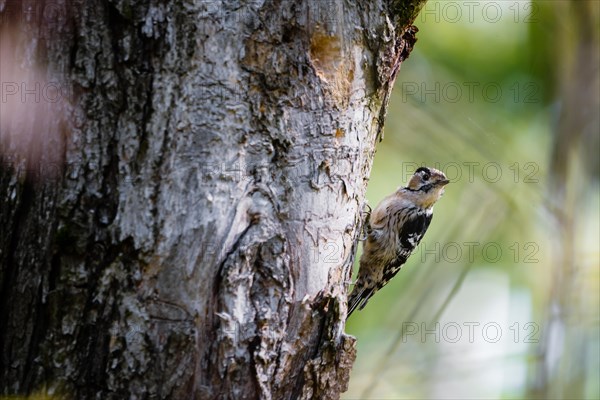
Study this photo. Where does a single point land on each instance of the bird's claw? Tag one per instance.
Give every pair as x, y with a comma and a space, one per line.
365, 228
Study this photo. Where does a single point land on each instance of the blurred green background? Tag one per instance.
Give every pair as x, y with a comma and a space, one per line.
501, 299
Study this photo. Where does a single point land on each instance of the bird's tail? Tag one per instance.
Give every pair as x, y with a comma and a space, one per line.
358, 298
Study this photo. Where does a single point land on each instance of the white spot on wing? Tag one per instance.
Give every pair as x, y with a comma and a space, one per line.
414, 238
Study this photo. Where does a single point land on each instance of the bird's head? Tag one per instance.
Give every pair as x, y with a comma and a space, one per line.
427, 186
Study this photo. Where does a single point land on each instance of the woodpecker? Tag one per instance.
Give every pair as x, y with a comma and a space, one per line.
394, 229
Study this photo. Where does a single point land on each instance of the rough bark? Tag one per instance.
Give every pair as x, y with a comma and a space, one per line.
182, 224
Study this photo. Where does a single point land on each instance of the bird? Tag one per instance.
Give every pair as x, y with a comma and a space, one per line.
394, 229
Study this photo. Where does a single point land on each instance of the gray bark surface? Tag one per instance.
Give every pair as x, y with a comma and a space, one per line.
183, 222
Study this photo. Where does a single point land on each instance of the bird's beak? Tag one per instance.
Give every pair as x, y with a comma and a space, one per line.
443, 182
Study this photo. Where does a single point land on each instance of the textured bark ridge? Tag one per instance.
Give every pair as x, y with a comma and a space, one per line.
183, 221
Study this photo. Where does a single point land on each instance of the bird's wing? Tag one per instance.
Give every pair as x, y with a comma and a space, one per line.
413, 230
409, 236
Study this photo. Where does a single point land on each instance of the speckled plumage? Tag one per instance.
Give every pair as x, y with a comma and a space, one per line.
396, 226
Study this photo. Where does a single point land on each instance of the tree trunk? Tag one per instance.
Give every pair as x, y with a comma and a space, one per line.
181, 186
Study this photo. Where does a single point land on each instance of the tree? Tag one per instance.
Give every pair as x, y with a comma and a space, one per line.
180, 210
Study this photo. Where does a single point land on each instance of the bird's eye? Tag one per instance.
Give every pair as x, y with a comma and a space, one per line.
425, 177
